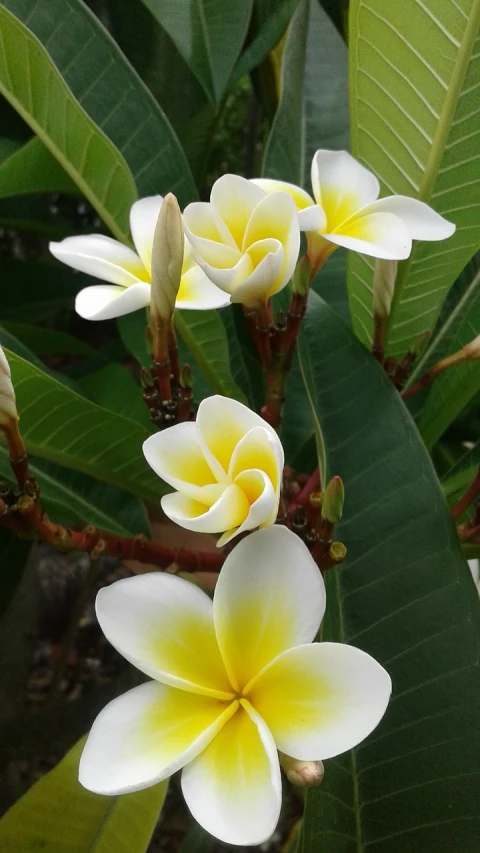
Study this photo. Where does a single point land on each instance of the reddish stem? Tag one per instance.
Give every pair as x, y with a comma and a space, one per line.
467, 498
422, 383
378, 344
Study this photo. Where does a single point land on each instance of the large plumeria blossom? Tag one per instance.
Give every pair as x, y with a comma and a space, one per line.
346, 211
246, 240
226, 467
234, 681
129, 272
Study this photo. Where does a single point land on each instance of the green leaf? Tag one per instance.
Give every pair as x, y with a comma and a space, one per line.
414, 74
49, 341
270, 19
32, 213
313, 108
111, 92
114, 388
36, 89
35, 291
404, 595
453, 390
59, 425
74, 499
204, 334
31, 168
209, 35
58, 815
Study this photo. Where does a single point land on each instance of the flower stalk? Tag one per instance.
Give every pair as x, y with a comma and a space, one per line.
470, 352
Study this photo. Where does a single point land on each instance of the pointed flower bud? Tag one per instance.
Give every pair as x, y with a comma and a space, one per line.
167, 258
303, 774
472, 350
302, 276
8, 408
332, 506
384, 276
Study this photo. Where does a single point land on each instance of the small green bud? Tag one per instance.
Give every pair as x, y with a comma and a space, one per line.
301, 277
384, 276
334, 496
186, 377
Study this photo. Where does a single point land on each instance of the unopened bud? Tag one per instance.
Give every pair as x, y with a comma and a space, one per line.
472, 350
384, 276
303, 774
334, 496
8, 407
301, 276
186, 377
167, 258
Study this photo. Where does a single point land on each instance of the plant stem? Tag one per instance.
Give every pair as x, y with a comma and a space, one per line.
379, 331
467, 498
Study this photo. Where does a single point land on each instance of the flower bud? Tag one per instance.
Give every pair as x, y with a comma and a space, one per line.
472, 350
167, 258
334, 496
384, 276
8, 408
302, 277
303, 774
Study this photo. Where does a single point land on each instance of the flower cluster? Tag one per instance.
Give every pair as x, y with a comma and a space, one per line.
233, 682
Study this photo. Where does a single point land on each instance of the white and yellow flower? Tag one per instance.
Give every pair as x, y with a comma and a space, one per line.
226, 468
8, 405
246, 240
346, 211
128, 273
235, 681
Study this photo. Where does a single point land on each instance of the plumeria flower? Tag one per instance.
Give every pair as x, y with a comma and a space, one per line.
129, 272
346, 211
245, 240
226, 467
235, 681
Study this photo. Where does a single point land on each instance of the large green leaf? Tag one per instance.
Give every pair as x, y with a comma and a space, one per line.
57, 815
270, 19
74, 499
31, 168
33, 291
313, 108
209, 34
415, 73
458, 385
34, 86
59, 425
111, 92
405, 595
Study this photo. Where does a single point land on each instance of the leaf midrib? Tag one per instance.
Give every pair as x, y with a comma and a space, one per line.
440, 136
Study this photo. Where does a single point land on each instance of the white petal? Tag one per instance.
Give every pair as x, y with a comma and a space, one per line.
230, 510
381, 235
101, 257
202, 220
312, 219
421, 220
228, 278
235, 199
259, 448
276, 218
269, 597
177, 457
147, 734
266, 278
143, 219
164, 626
233, 788
262, 498
105, 301
341, 185
311, 216
221, 424
197, 292
321, 700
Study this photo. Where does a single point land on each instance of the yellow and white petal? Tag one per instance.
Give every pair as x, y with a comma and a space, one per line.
381, 235
201, 219
341, 185
143, 219
102, 257
270, 596
322, 699
233, 788
147, 734
311, 216
266, 276
235, 198
228, 278
259, 448
421, 220
176, 455
263, 502
197, 292
276, 218
105, 301
228, 511
164, 626
221, 424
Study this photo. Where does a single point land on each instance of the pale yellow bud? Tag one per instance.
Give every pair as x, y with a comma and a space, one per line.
167, 258
8, 408
472, 350
303, 774
384, 276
